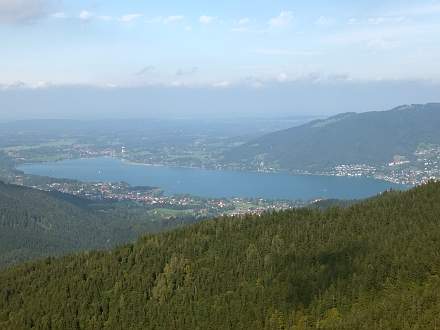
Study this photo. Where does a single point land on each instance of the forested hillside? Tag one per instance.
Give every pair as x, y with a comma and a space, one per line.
35, 224
374, 265
349, 138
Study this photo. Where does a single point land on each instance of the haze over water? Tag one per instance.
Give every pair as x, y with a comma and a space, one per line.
211, 183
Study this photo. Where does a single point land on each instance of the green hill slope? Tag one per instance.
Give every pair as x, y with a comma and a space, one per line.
350, 138
35, 224
374, 265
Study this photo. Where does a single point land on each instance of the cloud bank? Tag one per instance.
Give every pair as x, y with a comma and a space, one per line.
305, 97
23, 11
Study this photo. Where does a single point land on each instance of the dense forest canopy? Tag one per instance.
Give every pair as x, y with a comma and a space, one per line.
36, 224
373, 265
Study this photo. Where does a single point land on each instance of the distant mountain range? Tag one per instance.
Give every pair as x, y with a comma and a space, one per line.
348, 138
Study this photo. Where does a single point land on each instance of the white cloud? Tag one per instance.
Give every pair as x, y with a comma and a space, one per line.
129, 17
285, 52
85, 15
204, 19
284, 19
59, 15
26, 85
41, 84
385, 20
242, 25
325, 21
146, 70
177, 83
166, 19
23, 11
262, 80
14, 85
282, 77
377, 20
187, 72
244, 21
173, 19
222, 84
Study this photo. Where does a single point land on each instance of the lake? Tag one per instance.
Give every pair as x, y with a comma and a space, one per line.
212, 183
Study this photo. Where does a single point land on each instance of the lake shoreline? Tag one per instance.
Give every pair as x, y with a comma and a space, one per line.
213, 183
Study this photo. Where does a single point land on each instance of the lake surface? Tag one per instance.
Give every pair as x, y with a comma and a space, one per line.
212, 183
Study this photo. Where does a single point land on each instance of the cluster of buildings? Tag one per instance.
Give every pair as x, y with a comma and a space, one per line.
255, 209
417, 172
420, 168
155, 199
353, 170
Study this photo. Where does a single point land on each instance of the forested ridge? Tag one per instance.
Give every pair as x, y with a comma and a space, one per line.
374, 265
35, 224
348, 138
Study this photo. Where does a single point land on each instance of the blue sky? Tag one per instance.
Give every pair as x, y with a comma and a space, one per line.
218, 44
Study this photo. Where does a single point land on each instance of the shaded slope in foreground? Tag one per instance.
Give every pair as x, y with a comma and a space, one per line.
36, 224
375, 264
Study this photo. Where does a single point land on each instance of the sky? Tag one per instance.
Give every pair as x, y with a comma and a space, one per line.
246, 56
